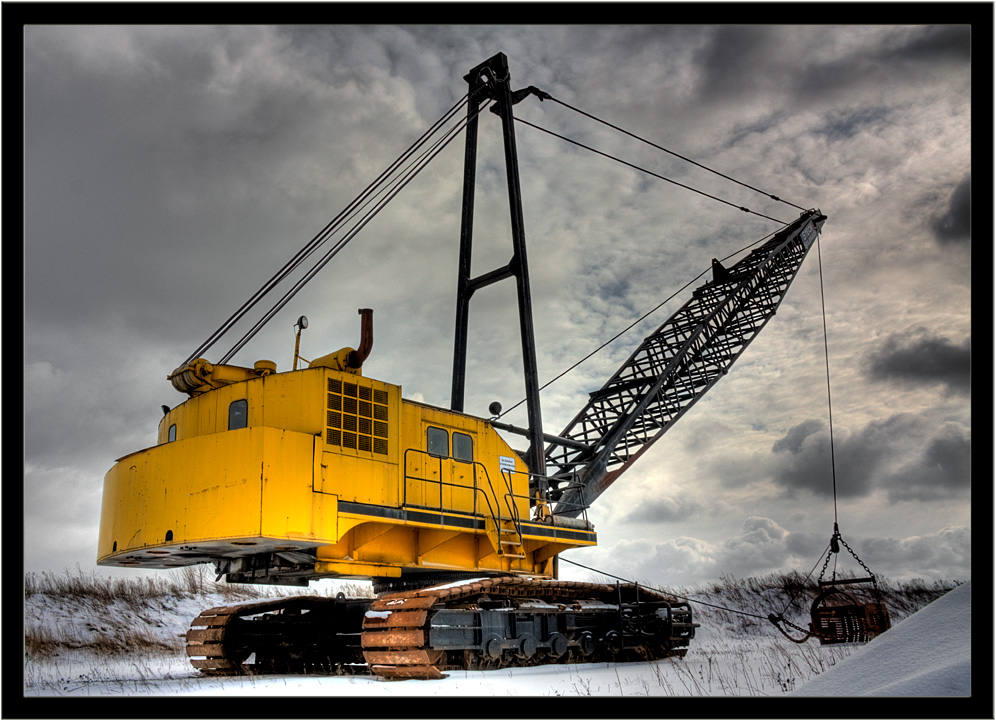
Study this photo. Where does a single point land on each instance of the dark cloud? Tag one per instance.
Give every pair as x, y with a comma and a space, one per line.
955, 224
946, 554
727, 60
797, 434
664, 510
843, 124
923, 360
866, 460
944, 470
935, 44
902, 55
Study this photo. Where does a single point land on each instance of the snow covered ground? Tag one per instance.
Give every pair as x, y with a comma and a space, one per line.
927, 654
909, 660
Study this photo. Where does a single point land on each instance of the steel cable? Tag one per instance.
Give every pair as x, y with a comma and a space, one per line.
398, 184
671, 152
650, 172
322, 236
667, 593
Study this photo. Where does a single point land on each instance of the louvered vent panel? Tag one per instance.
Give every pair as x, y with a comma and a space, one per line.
356, 417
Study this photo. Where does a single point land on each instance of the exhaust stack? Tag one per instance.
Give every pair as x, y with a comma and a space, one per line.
347, 359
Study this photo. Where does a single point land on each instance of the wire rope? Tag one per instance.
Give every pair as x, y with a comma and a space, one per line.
826, 355
634, 324
650, 172
399, 183
671, 152
322, 236
670, 593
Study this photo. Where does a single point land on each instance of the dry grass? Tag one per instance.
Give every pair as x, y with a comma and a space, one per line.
44, 641
189, 581
114, 615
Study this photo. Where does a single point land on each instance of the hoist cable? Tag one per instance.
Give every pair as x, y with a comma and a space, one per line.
826, 355
414, 169
667, 593
322, 236
671, 152
650, 172
808, 575
317, 241
634, 323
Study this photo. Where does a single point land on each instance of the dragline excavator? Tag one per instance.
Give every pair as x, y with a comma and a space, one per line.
324, 473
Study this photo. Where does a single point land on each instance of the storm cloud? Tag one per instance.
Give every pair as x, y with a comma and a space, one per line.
902, 455
170, 169
942, 470
954, 226
924, 360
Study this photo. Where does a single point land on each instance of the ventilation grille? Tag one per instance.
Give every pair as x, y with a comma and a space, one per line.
356, 417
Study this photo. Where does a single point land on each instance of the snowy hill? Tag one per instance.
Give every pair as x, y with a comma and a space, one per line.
908, 660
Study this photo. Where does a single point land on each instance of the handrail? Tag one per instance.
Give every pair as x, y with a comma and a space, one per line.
475, 488
581, 507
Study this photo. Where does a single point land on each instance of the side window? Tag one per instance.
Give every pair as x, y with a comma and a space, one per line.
463, 447
172, 434
238, 414
437, 442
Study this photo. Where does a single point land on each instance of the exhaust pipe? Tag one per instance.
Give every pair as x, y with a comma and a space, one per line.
348, 359
366, 337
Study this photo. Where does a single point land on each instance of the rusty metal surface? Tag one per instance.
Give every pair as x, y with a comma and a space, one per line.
393, 636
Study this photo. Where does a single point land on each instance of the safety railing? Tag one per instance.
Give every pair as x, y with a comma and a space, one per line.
434, 488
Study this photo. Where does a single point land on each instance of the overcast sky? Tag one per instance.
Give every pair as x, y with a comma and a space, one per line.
171, 170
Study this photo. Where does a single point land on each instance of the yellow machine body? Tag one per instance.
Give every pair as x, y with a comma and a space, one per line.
289, 477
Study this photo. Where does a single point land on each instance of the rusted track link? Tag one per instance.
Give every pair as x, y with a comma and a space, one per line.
299, 634
418, 634
403, 636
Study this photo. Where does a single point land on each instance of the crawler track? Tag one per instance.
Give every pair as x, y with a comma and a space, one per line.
419, 634
301, 634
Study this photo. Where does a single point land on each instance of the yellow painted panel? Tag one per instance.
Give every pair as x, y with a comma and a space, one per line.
359, 570
450, 484
293, 401
290, 401
212, 487
290, 508
202, 488
359, 480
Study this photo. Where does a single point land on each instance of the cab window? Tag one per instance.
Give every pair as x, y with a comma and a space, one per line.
437, 442
238, 414
463, 447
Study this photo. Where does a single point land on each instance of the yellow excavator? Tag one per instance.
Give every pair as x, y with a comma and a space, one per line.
320, 472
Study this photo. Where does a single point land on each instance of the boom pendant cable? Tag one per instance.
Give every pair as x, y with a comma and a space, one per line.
650, 172
671, 152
